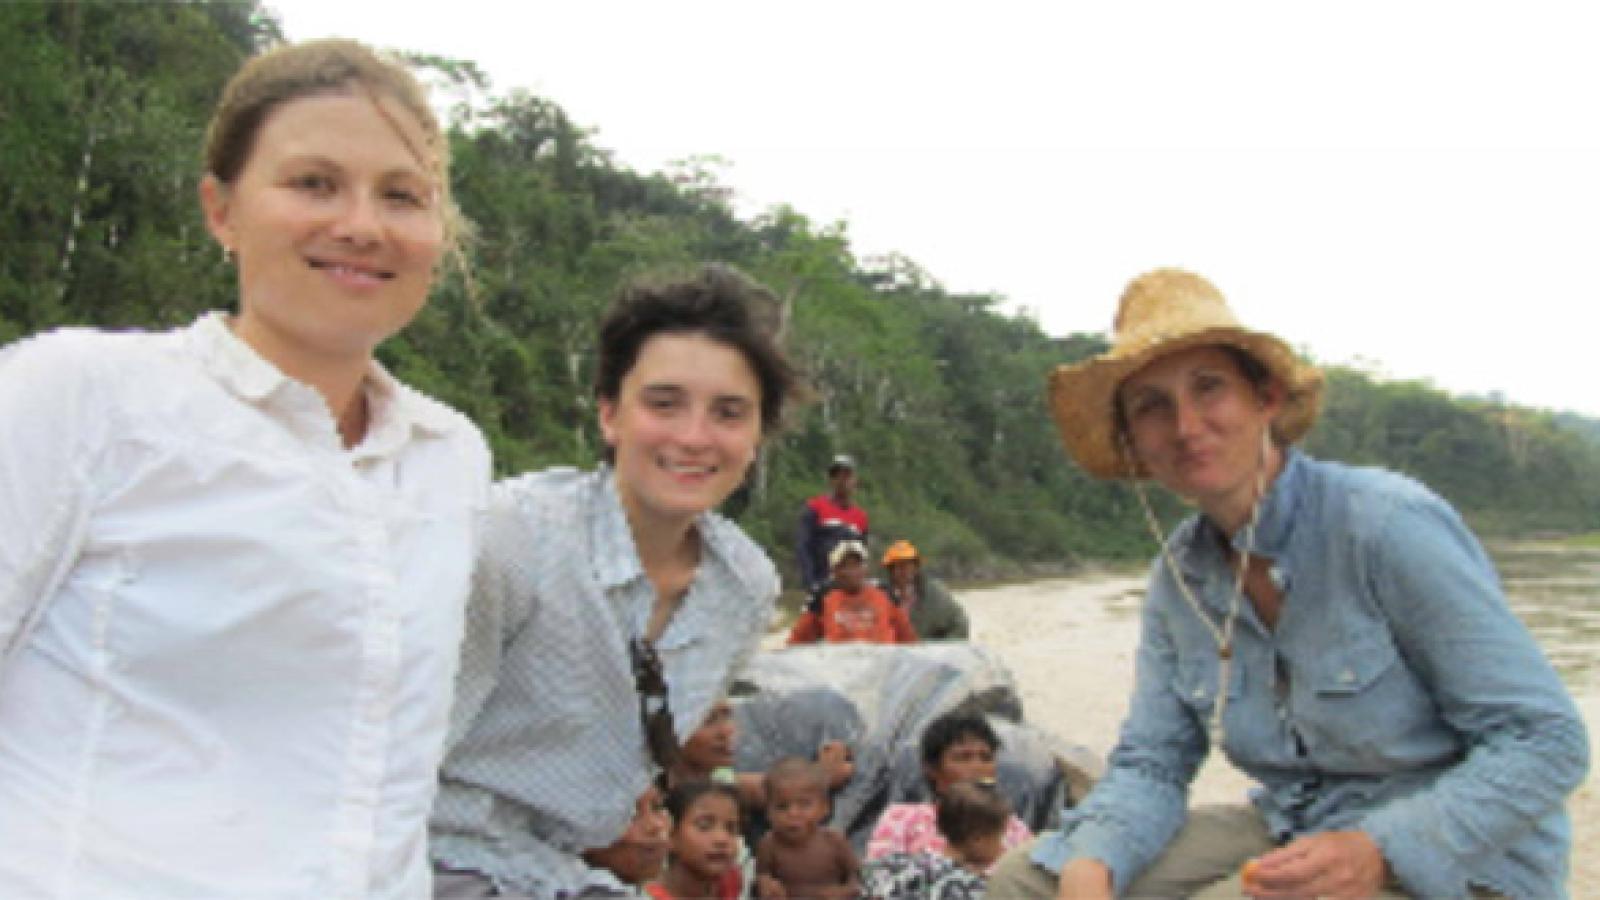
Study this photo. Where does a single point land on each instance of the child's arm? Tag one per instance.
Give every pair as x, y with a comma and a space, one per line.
768, 887
849, 886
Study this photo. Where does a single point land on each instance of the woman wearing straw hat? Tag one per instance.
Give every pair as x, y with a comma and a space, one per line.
1338, 632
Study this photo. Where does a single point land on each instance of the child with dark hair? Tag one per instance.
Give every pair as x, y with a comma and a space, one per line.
799, 858
972, 817
957, 747
704, 844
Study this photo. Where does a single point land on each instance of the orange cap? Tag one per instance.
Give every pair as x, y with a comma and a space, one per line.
900, 551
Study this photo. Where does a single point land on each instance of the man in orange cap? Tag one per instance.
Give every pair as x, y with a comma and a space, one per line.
934, 614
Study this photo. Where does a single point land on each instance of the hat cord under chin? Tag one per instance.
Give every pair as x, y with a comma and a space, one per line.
1216, 732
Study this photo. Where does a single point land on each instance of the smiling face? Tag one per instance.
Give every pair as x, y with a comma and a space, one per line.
684, 427
1199, 426
967, 759
336, 227
706, 839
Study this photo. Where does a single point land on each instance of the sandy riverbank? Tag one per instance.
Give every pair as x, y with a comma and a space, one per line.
1070, 643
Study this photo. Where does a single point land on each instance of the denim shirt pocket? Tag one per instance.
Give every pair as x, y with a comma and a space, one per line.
1364, 709
1195, 681
1350, 667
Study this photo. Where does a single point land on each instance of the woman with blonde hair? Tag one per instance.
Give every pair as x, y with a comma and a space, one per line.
234, 557
1336, 632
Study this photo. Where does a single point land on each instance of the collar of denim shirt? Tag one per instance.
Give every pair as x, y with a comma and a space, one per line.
1198, 542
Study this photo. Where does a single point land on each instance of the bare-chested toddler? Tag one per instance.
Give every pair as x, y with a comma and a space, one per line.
800, 859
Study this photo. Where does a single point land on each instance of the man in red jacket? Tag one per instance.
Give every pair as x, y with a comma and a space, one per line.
827, 520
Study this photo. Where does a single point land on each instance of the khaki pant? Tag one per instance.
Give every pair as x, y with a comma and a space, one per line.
1203, 861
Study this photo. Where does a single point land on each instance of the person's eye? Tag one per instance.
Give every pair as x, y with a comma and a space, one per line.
404, 197
314, 183
1147, 406
732, 411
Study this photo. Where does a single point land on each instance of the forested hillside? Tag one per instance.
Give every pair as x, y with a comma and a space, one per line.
938, 394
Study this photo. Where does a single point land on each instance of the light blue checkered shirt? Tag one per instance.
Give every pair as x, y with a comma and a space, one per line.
546, 753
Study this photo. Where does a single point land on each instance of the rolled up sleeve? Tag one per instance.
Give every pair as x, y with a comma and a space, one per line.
1131, 815
1526, 747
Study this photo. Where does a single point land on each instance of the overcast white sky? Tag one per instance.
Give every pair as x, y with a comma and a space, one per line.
1410, 185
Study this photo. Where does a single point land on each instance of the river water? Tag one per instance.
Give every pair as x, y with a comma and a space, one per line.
1556, 591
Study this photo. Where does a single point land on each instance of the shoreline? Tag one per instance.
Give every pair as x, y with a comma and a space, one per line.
1070, 642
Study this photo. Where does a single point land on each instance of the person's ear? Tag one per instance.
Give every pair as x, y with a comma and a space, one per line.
608, 421
216, 203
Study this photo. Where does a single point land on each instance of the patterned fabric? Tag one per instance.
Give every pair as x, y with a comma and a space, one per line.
869, 616
1398, 694
913, 828
918, 876
546, 751
239, 671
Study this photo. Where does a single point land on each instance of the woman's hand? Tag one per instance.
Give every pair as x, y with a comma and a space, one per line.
1346, 865
1085, 879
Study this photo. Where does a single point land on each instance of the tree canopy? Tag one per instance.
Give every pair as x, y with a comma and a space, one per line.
938, 394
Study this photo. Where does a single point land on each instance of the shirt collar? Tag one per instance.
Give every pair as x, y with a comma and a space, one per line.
616, 558
1274, 522
396, 410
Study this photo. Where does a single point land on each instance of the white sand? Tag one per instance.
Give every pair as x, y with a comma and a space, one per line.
1070, 644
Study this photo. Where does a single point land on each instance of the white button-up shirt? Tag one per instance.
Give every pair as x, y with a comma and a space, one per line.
229, 641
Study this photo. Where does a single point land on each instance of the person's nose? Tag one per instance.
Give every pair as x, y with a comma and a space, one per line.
360, 220
1186, 417
696, 430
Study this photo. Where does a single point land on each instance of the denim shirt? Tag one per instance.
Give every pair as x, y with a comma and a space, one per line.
1398, 695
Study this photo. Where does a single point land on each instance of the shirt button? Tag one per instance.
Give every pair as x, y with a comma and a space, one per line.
1199, 692
1347, 676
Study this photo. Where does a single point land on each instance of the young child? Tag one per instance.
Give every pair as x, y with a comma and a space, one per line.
799, 859
637, 856
704, 844
854, 610
972, 817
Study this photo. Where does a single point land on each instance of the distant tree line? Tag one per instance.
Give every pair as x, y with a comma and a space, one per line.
938, 394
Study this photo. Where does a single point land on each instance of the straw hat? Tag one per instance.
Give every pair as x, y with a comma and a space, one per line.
1162, 312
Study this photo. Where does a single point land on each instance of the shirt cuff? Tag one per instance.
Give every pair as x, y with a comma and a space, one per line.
1055, 849
1418, 864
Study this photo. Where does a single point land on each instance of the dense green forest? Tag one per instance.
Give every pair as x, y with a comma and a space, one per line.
938, 394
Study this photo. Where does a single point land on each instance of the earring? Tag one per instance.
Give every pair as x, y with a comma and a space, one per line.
229, 256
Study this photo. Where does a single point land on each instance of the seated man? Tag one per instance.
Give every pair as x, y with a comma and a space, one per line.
853, 610
934, 614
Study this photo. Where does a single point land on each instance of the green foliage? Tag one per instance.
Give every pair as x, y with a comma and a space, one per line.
939, 395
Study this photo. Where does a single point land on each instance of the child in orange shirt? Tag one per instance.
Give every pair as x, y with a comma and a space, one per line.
854, 610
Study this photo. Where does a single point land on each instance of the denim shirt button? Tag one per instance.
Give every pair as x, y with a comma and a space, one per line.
1347, 676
